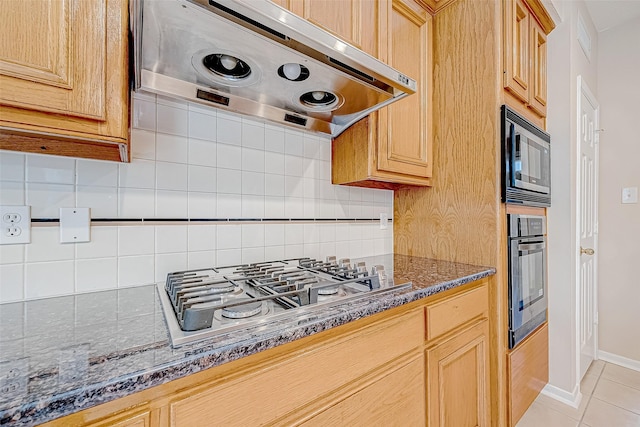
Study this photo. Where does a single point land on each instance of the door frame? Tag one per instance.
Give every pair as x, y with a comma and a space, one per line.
583, 88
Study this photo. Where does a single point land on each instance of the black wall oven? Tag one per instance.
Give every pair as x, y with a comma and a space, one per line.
527, 275
526, 163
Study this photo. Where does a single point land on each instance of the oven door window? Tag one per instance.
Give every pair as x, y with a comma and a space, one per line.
532, 271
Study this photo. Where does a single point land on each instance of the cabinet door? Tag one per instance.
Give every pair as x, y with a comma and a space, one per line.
395, 399
403, 131
457, 379
538, 95
516, 48
354, 21
63, 73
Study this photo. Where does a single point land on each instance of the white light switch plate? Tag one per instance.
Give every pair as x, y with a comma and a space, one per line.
630, 195
384, 221
75, 225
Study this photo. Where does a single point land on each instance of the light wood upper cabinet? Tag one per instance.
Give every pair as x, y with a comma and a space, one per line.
63, 77
526, 25
393, 146
354, 21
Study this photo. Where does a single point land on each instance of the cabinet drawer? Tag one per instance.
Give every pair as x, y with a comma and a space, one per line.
453, 312
276, 389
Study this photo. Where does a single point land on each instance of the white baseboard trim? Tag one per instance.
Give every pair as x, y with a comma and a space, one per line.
619, 360
568, 398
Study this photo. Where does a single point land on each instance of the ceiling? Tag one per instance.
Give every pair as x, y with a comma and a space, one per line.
607, 14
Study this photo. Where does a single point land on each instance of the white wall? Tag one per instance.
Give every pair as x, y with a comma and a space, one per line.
619, 225
188, 162
566, 61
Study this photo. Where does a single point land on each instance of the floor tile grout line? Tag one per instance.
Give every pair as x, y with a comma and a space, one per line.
586, 406
619, 407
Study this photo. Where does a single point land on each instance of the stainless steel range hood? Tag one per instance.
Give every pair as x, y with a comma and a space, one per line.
256, 58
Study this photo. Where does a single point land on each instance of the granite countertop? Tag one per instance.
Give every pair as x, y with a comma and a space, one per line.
61, 355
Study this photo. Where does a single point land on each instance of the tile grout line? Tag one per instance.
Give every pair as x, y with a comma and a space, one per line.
586, 406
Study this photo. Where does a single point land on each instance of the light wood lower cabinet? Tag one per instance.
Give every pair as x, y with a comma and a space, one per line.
381, 370
528, 371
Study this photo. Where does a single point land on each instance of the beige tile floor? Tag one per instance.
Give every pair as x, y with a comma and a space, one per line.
610, 398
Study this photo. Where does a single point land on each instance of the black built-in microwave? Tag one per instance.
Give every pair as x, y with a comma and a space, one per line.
526, 162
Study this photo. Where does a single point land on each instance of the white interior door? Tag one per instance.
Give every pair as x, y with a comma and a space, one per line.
588, 225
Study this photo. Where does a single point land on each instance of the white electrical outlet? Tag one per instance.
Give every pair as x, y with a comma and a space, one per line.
15, 222
384, 221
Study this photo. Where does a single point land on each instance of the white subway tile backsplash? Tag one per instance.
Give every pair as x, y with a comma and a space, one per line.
294, 207
274, 234
293, 143
202, 259
51, 170
202, 126
253, 134
171, 204
12, 193
167, 263
143, 144
136, 203
135, 270
252, 160
171, 238
136, 240
294, 234
202, 178
47, 279
171, 176
103, 201
274, 163
12, 166
228, 257
229, 181
47, 199
250, 255
202, 205
103, 244
12, 254
252, 235
96, 173
273, 139
189, 161
96, 274
11, 282
253, 183
45, 246
274, 207
202, 153
229, 157
293, 165
252, 206
202, 238
144, 114
274, 252
229, 205
229, 129
171, 148
229, 236
172, 120
137, 174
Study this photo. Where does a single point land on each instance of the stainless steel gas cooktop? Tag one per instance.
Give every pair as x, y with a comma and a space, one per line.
203, 303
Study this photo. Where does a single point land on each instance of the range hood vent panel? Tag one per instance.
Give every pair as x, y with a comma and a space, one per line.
231, 53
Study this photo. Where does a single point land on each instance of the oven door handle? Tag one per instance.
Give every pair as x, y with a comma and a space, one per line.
531, 246
512, 154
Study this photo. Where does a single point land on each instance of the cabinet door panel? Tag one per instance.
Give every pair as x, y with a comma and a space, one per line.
538, 100
48, 56
516, 48
354, 21
396, 399
403, 144
457, 373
